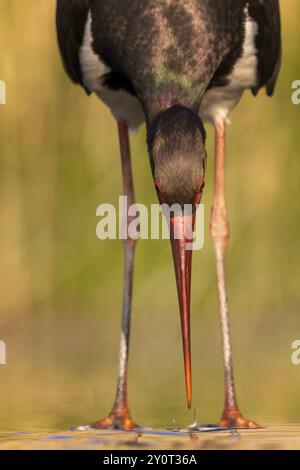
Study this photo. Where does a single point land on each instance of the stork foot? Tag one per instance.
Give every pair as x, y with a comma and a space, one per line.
118, 419
232, 418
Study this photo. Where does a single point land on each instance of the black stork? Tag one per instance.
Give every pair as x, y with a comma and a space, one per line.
173, 64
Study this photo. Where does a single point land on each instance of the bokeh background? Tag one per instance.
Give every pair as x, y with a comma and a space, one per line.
61, 288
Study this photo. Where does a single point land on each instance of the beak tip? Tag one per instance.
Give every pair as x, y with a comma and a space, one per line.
189, 395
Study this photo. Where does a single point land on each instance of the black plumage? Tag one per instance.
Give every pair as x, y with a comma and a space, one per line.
71, 17
126, 35
268, 42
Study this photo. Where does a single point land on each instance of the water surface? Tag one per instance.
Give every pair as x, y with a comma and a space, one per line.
274, 437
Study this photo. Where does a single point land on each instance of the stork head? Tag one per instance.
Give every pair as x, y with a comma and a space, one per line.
176, 142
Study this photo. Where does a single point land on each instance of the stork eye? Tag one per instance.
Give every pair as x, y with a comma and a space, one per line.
157, 184
200, 190
202, 184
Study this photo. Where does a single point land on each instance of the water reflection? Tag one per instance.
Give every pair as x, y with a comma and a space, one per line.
273, 437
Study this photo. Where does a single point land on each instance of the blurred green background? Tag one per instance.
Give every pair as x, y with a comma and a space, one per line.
61, 288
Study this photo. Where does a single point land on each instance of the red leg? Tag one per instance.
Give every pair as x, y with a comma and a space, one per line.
119, 417
220, 233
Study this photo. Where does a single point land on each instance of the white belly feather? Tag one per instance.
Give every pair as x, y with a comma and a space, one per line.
219, 101
216, 103
123, 105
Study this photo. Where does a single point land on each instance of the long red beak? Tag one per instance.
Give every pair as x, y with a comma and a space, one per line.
181, 229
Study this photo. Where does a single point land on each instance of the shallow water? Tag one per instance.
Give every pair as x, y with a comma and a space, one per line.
62, 375
273, 437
